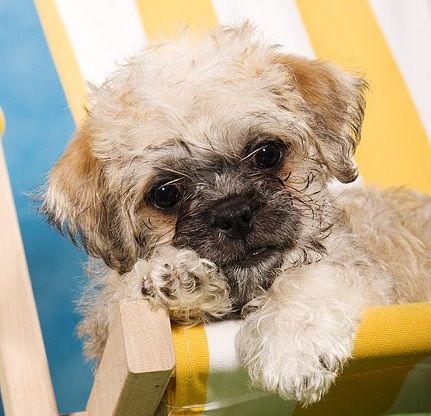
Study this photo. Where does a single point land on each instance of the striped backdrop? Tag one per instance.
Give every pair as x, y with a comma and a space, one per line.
385, 40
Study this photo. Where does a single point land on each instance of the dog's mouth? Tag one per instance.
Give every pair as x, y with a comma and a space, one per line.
253, 256
254, 271
258, 254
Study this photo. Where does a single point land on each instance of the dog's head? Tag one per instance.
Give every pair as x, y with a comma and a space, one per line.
222, 145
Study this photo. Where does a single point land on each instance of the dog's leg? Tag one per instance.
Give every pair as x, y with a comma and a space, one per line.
191, 288
301, 331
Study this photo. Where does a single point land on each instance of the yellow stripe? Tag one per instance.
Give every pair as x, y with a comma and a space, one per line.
379, 334
390, 341
165, 17
191, 370
63, 56
362, 395
2, 122
395, 149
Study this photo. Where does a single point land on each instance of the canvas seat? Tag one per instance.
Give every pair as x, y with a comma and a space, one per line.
391, 369
390, 372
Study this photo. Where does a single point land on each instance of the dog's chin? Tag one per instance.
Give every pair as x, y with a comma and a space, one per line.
253, 274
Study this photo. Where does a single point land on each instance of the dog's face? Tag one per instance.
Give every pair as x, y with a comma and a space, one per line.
221, 145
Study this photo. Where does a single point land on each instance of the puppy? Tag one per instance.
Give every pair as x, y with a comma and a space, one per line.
201, 179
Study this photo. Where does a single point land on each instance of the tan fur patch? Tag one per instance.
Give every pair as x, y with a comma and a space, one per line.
335, 100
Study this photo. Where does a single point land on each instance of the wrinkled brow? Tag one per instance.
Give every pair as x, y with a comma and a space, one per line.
178, 149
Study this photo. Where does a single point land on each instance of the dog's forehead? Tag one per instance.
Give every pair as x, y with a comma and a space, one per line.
220, 116
217, 112
203, 100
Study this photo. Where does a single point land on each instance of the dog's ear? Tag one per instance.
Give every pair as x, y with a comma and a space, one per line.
336, 102
78, 203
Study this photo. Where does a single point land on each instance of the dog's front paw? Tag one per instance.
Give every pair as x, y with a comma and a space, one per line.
297, 362
192, 289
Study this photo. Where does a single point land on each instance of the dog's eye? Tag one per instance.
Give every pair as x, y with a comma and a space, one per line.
268, 155
166, 196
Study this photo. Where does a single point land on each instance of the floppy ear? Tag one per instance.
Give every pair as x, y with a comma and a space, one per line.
78, 203
336, 101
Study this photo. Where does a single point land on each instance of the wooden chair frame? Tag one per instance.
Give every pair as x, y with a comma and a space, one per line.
137, 363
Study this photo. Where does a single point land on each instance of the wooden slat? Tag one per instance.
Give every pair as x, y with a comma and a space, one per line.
137, 363
25, 382
75, 414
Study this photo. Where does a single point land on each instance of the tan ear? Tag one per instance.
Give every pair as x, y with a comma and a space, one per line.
336, 102
78, 203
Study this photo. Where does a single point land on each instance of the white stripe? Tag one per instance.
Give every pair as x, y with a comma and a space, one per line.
406, 26
221, 343
227, 383
102, 33
279, 20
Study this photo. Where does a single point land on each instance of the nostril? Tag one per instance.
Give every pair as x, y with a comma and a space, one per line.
223, 224
233, 217
247, 215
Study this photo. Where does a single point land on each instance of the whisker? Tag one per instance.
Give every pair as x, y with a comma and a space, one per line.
176, 172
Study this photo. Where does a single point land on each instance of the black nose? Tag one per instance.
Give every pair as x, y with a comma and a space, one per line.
234, 217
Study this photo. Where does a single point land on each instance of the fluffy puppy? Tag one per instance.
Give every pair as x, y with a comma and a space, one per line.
200, 178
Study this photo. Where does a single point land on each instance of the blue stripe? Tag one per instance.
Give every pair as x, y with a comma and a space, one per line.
38, 127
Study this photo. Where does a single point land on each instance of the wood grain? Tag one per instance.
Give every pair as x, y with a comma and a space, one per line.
75, 414
137, 363
25, 382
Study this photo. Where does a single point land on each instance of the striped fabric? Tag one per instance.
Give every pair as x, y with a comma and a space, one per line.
385, 40
390, 373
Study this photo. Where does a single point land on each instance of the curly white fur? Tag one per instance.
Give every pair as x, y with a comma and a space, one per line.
306, 324
191, 289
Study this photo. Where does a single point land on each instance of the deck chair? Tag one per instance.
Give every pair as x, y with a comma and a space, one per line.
149, 366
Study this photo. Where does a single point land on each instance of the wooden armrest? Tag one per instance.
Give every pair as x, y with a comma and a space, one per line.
24, 375
75, 414
137, 363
